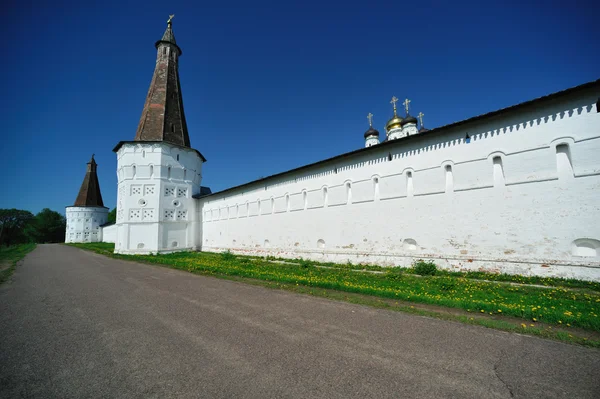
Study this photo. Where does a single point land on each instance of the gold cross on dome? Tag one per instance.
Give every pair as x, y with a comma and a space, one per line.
370, 118
394, 101
170, 18
405, 103
421, 115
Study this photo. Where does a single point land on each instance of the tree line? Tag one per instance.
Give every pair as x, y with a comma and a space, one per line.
18, 226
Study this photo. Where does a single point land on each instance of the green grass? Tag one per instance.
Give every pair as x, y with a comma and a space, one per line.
9, 256
557, 305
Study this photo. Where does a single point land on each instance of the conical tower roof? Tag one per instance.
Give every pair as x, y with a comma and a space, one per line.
163, 118
89, 193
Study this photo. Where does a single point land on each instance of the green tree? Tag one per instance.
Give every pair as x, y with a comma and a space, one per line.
112, 216
13, 226
49, 226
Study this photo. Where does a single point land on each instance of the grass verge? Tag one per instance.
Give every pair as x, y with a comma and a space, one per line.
555, 312
9, 256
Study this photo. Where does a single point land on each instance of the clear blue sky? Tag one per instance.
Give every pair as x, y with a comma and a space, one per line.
267, 86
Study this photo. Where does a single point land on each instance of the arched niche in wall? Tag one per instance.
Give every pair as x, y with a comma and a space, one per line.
410, 189
497, 165
325, 192
305, 198
564, 161
448, 171
348, 186
375, 180
586, 247
287, 202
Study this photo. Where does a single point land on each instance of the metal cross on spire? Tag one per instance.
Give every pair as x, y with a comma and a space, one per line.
170, 18
394, 101
406, 103
421, 115
370, 118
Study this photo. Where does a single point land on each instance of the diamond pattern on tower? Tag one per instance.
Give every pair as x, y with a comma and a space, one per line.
148, 214
169, 214
149, 189
135, 214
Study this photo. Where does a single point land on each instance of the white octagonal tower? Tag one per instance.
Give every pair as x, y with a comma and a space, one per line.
88, 213
158, 172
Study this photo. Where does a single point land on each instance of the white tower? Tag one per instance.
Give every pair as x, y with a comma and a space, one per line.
158, 172
371, 135
88, 213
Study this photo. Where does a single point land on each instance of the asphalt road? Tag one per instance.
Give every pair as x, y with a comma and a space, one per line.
74, 324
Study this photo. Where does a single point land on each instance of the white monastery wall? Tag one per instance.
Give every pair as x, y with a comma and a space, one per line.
83, 223
155, 208
522, 195
109, 233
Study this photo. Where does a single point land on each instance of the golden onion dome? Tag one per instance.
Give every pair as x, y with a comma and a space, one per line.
396, 121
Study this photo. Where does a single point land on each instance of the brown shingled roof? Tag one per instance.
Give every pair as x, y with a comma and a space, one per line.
89, 193
163, 118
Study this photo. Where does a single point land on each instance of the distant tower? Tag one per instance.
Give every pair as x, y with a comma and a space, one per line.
393, 128
409, 123
88, 212
159, 172
371, 135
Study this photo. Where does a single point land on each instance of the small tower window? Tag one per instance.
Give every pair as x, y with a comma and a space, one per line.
178, 157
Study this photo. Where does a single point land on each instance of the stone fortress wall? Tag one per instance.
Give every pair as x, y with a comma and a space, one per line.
513, 192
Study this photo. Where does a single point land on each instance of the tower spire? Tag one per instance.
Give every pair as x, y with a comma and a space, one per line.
89, 193
163, 118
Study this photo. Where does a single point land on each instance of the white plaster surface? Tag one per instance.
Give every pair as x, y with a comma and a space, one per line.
83, 223
522, 196
109, 233
155, 208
